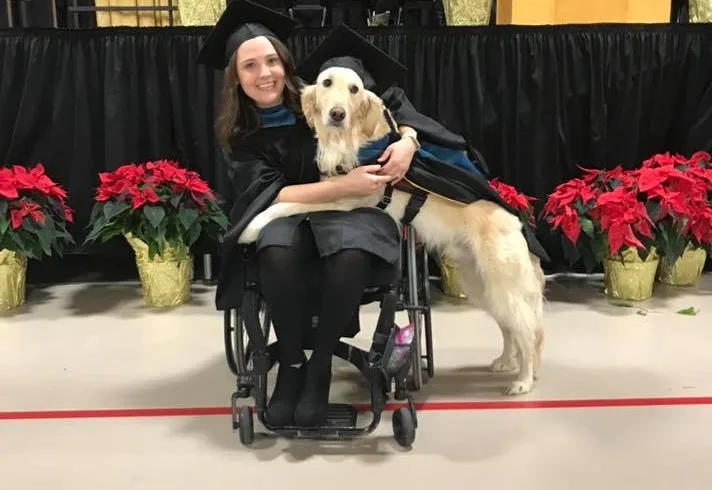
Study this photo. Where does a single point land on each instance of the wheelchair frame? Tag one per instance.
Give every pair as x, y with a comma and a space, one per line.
250, 357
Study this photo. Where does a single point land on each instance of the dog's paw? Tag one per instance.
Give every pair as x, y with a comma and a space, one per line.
253, 229
504, 365
248, 236
519, 387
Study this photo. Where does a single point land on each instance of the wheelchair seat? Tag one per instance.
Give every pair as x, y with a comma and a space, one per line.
250, 356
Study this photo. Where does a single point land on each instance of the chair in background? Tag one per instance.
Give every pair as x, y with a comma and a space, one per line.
353, 13
281, 6
421, 13
308, 13
383, 13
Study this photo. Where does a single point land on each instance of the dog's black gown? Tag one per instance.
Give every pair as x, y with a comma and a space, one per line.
282, 153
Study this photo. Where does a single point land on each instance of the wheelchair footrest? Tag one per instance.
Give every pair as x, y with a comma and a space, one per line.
340, 416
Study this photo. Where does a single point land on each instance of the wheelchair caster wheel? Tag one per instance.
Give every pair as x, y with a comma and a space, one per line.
247, 428
413, 411
403, 427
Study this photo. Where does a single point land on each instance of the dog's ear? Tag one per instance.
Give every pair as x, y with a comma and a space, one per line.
308, 99
371, 112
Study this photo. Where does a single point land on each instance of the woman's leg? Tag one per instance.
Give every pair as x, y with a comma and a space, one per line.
282, 273
345, 277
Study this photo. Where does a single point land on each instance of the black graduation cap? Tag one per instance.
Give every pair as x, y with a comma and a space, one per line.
242, 20
346, 48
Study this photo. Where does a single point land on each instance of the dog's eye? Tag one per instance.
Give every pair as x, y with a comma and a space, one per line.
326, 82
353, 89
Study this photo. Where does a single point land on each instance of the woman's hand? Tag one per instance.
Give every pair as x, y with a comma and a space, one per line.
398, 157
364, 180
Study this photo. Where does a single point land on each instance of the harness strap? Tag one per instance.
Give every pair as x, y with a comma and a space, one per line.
416, 201
386, 200
391, 122
417, 197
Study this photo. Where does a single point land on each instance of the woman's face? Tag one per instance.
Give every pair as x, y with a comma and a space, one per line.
260, 72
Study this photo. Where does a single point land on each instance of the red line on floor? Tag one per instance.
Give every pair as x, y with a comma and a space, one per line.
425, 406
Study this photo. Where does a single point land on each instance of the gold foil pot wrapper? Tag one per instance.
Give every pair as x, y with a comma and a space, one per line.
166, 278
628, 277
686, 270
451, 278
13, 271
467, 12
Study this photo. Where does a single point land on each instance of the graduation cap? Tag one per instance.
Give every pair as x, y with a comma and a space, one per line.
346, 48
242, 20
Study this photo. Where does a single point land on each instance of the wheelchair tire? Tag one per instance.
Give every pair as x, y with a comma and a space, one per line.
403, 427
247, 427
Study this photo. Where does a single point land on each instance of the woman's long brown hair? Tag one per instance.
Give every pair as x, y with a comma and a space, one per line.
238, 116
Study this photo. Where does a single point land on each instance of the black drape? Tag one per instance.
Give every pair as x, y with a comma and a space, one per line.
536, 101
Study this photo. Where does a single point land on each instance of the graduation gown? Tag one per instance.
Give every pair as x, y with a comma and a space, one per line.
276, 156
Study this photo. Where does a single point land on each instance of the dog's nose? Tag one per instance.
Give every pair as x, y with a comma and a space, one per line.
337, 114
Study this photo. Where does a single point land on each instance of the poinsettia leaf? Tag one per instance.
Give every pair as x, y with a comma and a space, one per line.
674, 247
4, 225
194, 234
3, 208
115, 208
691, 311
643, 253
19, 242
175, 199
587, 226
45, 236
187, 216
599, 247
570, 250
154, 214
110, 232
97, 227
96, 211
221, 220
653, 209
579, 206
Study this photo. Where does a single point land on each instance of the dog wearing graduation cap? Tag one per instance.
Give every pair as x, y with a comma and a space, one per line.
447, 200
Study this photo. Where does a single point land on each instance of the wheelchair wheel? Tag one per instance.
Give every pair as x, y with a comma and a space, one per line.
242, 344
247, 427
424, 271
403, 427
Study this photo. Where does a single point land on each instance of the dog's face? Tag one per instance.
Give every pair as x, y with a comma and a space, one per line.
338, 101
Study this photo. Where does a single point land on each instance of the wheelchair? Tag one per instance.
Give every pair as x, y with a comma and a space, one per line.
250, 357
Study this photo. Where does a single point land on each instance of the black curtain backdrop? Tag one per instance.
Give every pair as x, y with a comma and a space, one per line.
536, 101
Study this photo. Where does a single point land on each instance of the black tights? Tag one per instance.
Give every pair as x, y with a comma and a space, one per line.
284, 279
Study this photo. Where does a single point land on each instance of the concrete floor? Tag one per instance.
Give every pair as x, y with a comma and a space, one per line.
98, 392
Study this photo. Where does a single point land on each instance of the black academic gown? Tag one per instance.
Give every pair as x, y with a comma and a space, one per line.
259, 167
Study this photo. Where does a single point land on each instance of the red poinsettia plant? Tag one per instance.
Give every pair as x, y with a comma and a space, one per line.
158, 203
599, 215
33, 213
677, 193
519, 202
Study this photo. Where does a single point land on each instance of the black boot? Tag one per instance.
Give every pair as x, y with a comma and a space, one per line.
313, 403
282, 403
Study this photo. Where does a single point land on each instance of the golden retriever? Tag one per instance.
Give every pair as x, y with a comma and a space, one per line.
485, 240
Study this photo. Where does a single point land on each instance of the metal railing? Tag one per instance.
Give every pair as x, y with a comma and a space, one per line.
74, 10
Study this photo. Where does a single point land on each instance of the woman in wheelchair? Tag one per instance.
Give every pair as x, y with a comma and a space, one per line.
271, 158
315, 265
